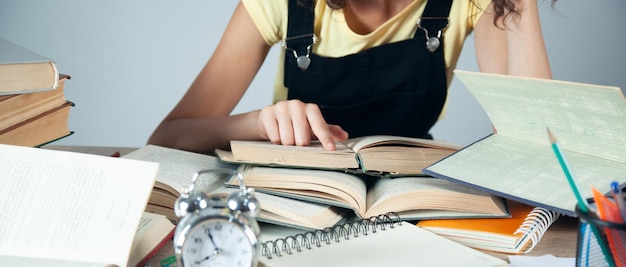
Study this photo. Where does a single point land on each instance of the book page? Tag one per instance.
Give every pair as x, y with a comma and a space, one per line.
70, 206
15, 261
152, 230
527, 172
177, 167
403, 245
410, 193
360, 143
291, 212
302, 213
346, 188
400, 160
585, 118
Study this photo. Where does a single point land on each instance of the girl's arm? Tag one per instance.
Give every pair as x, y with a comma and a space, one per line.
201, 121
516, 47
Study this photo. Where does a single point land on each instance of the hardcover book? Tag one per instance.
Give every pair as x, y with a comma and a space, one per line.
178, 166
517, 161
378, 155
40, 130
20, 107
24, 71
411, 197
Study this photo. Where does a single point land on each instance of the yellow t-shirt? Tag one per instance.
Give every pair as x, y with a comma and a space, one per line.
336, 39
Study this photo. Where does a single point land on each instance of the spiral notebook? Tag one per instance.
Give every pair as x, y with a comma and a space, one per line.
516, 235
380, 241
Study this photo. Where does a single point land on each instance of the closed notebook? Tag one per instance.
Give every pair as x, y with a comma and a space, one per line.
516, 235
382, 242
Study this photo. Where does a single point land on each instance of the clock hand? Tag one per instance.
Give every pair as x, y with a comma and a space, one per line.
201, 260
216, 250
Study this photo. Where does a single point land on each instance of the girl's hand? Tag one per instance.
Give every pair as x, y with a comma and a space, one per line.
293, 122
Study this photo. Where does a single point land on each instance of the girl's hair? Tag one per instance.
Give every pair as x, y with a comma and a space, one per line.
502, 8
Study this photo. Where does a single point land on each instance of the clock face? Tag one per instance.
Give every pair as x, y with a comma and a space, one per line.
218, 242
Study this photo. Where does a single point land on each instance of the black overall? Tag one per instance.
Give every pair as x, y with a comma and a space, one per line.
396, 89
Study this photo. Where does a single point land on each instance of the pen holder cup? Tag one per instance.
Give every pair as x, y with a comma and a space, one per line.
600, 242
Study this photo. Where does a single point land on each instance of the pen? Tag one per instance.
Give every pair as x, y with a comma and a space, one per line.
608, 211
619, 199
617, 237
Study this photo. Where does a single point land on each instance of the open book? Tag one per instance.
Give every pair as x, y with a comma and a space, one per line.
153, 232
177, 167
515, 235
69, 209
412, 198
518, 163
376, 155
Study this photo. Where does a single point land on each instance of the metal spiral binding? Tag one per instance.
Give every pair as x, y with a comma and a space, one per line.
329, 235
536, 224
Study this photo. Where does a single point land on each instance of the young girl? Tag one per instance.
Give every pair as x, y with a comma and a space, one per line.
350, 68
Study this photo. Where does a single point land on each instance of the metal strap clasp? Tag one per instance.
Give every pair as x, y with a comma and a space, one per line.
303, 61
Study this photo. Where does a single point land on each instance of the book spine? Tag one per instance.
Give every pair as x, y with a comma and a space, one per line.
535, 225
334, 234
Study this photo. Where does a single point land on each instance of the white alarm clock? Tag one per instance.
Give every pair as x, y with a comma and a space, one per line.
217, 232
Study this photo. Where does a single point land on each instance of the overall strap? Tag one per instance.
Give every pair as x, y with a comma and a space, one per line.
437, 8
434, 19
300, 25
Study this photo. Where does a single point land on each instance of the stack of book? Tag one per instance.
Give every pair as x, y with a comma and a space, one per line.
310, 194
369, 176
33, 107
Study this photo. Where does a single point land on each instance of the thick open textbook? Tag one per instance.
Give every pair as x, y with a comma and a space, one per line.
412, 198
175, 172
178, 166
69, 208
379, 155
517, 161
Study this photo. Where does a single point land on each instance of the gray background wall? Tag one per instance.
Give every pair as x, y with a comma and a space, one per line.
131, 61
